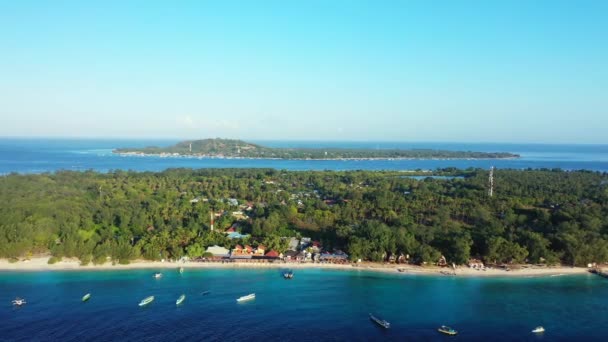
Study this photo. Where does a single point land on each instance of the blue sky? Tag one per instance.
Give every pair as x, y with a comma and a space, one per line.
479, 71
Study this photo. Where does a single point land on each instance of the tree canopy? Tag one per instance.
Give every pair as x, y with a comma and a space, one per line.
535, 216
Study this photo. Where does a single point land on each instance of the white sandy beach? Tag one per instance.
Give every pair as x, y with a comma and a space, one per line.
41, 264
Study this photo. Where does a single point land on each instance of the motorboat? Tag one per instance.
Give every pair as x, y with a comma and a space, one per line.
146, 301
538, 330
86, 297
19, 301
380, 322
246, 298
180, 299
447, 330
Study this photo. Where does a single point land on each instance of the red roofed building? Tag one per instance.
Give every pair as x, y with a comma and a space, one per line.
230, 230
272, 254
247, 249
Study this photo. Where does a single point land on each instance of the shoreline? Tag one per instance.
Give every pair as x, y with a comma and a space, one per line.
41, 264
194, 156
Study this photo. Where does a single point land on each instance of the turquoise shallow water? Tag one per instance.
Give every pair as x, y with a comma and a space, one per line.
317, 305
47, 155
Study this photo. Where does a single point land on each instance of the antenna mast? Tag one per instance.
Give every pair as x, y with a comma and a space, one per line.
491, 182
211, 215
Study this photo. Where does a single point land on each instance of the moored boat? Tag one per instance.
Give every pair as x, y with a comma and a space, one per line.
86, 297
204, 293
288, 275
180, 299
538, 330
181, 270
146, 301
158, 275
380, 322
447, 330
245, 298
19, 301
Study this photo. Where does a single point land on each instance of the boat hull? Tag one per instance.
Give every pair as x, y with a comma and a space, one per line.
146, 301
447, 331
246, 298
384, 324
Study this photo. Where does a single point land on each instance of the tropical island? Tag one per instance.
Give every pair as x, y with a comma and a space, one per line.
230, 148
533, 217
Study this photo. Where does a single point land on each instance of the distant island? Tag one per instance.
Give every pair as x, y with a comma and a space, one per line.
231, 148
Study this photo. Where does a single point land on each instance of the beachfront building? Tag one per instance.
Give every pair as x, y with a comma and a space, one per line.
402, 259
260, 250
442, 262
238, 249
291, 255
476, 264
240, 257
218, 252
273, 255
337, 257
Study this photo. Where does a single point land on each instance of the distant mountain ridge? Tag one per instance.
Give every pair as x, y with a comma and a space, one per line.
234, 148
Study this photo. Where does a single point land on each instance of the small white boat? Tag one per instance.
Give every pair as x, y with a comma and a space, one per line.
86, 297
247, 297
158, 275
538, 330
146, 301
19, 301
180, 299
181, 270
447, 330
380, 322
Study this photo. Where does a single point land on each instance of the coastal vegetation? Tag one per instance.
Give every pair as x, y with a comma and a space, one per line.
534, 216
229, 148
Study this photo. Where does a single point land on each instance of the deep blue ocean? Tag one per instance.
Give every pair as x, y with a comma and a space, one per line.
44, 155
317, 305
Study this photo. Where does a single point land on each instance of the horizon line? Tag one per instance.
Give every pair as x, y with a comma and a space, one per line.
301, 140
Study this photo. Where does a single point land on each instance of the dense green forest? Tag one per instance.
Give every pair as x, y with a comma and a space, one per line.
535, 216
241, 149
